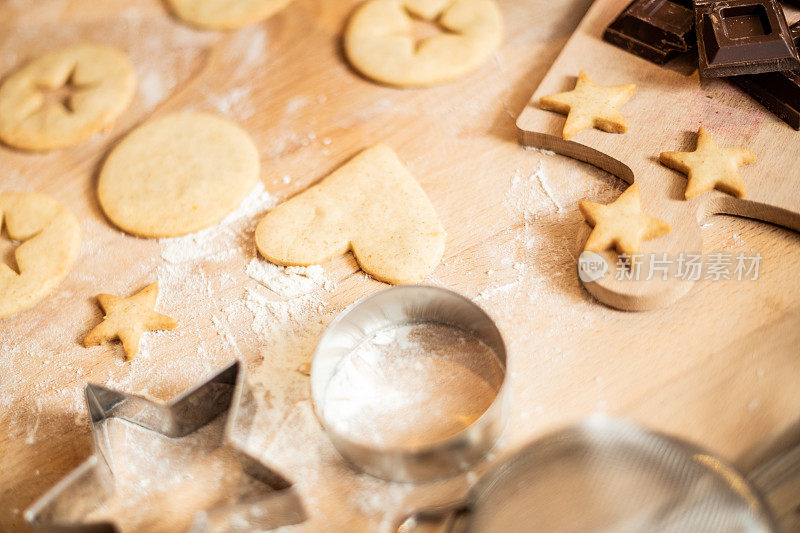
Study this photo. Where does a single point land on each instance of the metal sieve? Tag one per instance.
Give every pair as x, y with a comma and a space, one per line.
609, 475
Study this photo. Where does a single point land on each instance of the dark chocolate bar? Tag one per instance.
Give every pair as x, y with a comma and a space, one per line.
737, 37
777, 91
657, 30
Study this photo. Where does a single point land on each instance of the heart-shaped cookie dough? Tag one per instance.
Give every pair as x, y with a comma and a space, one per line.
373, 206
51, 236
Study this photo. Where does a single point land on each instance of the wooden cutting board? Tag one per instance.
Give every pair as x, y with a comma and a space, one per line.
718, 367
670, 104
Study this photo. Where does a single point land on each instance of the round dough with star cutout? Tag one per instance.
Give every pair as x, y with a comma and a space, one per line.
379, 40
94, 85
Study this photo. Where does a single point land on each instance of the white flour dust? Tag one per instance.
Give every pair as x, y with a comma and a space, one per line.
172, 478
412, 385
235, 104
288, 282
224, 239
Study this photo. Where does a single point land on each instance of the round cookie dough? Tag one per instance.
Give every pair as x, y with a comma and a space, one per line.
225, 14
102, 83
51, 238
378, 40
177, 174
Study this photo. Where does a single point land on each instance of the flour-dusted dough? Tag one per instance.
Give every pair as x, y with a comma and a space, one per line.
177, 174
373, 206
103, 83
378, 40
225, 14
127, 318
51, 238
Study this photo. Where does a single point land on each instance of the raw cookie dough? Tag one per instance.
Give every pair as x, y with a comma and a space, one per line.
127, 318
225, 14
177, 174
589, 105
101, 81
371, 205
710, 166
379, 43
51, 239
621, 224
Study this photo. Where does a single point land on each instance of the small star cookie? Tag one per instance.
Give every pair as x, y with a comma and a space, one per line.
621, 224
590, 105
710, 166
127, 318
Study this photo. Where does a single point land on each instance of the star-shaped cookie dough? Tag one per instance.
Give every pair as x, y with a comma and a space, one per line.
621, 224
710, 166
590, 105
127, 318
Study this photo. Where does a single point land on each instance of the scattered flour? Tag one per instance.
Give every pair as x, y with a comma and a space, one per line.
172, 477
496, 290
288, 282
152, 88
221, 241
249, 44
525, 196
235, 104
412, 385
540, 150
543, 181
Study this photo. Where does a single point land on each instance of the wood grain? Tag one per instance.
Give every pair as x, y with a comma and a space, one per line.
718, 367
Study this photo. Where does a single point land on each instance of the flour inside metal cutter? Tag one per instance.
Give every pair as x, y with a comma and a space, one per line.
268, 500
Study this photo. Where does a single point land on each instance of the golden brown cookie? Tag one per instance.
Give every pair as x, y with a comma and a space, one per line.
96, 83
379, 42
127, 318
710, 166
177, 174
225, 14
621, 224
50, 240
371, 205
590, 105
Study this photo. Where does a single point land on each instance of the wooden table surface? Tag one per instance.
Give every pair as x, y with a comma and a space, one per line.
719, 367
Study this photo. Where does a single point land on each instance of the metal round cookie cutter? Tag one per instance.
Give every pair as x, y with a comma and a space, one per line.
395, 307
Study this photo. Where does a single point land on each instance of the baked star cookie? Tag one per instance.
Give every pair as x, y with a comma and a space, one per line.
177, 174
225, 14
50, 239
371, 205
63, 97
378, 40
621, 224
590, 105
710, 166
127, 318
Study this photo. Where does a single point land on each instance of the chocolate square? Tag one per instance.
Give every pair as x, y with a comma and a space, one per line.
743, 37
656, 30
777, 91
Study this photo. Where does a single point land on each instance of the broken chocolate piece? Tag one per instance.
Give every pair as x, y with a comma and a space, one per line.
777, 91
737, 37
656, 30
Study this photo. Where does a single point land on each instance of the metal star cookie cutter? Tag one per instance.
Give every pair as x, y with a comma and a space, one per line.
62, 507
